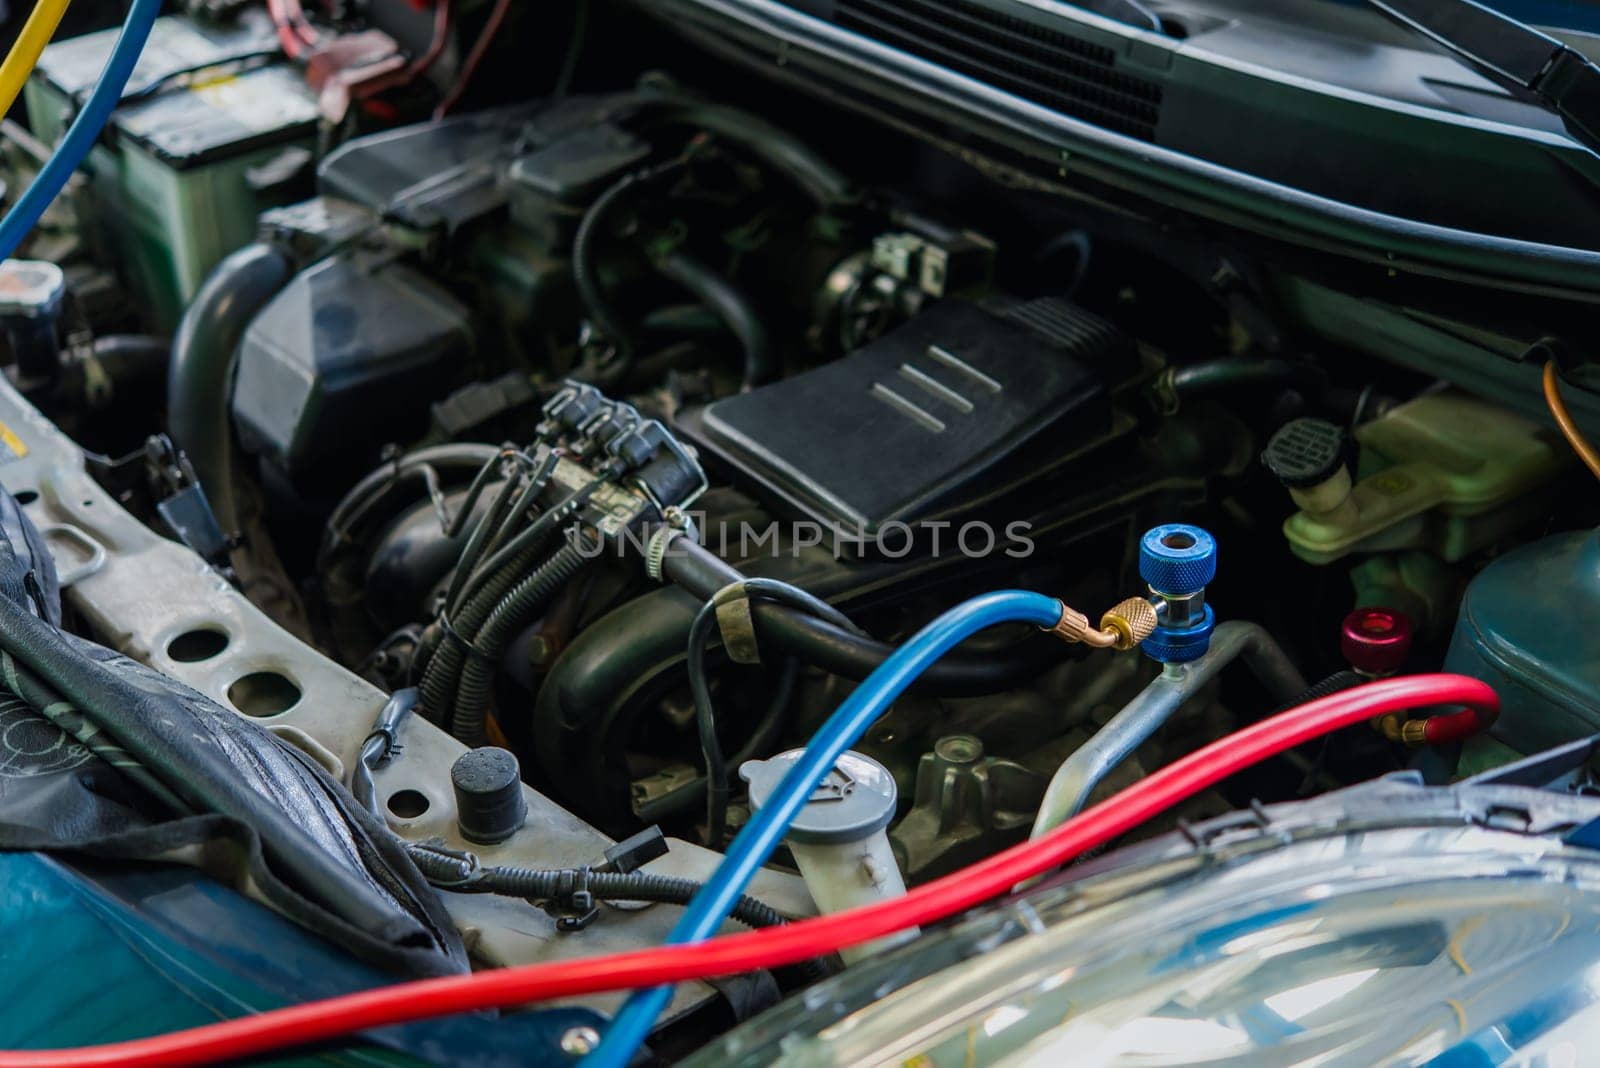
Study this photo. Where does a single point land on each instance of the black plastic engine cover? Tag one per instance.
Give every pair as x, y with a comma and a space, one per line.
347, 358
916, 423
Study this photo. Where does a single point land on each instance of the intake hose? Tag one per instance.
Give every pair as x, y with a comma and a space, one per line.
200, 378
1196, 378
132, 358
582, 717
514, 611
786, 154
389, 478
1178, 384
731, 306
343, 560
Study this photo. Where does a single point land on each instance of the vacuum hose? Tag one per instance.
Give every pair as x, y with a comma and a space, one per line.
849, 655
731, 306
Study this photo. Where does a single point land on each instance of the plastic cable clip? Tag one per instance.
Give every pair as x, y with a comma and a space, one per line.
572, 904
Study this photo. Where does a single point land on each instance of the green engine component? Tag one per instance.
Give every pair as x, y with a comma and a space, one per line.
213, 128
966, 804
1527, 627
1414, 582
1445, 473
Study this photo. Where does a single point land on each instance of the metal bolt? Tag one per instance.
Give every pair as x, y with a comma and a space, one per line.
959, 749
579, 1041
539, 652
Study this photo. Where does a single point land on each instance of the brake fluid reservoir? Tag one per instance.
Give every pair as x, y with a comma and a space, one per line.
1446, 472
839, 839
1527, 627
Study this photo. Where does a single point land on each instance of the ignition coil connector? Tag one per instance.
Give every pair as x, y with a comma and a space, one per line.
637, 443
606, 425
611, 438
569, 409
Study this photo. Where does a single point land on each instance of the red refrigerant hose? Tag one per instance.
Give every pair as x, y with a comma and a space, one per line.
503, 988
1448, 727
295, 32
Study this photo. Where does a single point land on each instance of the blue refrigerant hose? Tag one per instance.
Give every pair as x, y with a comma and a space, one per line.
81, 135
755, 843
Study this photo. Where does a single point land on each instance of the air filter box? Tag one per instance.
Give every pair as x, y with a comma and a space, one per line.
930, 419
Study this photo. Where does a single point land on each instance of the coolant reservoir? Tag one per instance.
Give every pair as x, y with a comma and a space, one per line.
1528, 627
1457, 474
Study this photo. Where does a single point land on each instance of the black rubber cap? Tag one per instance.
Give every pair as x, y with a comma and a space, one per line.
488, 786
1304, 452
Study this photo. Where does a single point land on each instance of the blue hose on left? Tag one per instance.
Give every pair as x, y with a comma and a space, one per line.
81, 135
767, 827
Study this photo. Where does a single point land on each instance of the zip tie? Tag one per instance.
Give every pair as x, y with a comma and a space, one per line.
457, 637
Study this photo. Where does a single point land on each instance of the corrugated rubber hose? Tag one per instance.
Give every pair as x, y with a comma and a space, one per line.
537, 884
515, 610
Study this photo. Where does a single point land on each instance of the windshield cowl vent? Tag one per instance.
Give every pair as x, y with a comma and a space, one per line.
1064, 73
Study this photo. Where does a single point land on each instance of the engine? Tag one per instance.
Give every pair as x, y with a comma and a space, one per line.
550, 473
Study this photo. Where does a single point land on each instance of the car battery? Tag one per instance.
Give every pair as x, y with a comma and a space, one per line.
213, 128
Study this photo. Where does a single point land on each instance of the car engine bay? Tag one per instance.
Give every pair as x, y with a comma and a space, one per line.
534, 476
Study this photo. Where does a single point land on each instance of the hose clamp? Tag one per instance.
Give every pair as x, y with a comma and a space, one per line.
676, 523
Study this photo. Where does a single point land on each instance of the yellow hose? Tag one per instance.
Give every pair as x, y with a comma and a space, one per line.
1569, 426
36, 33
